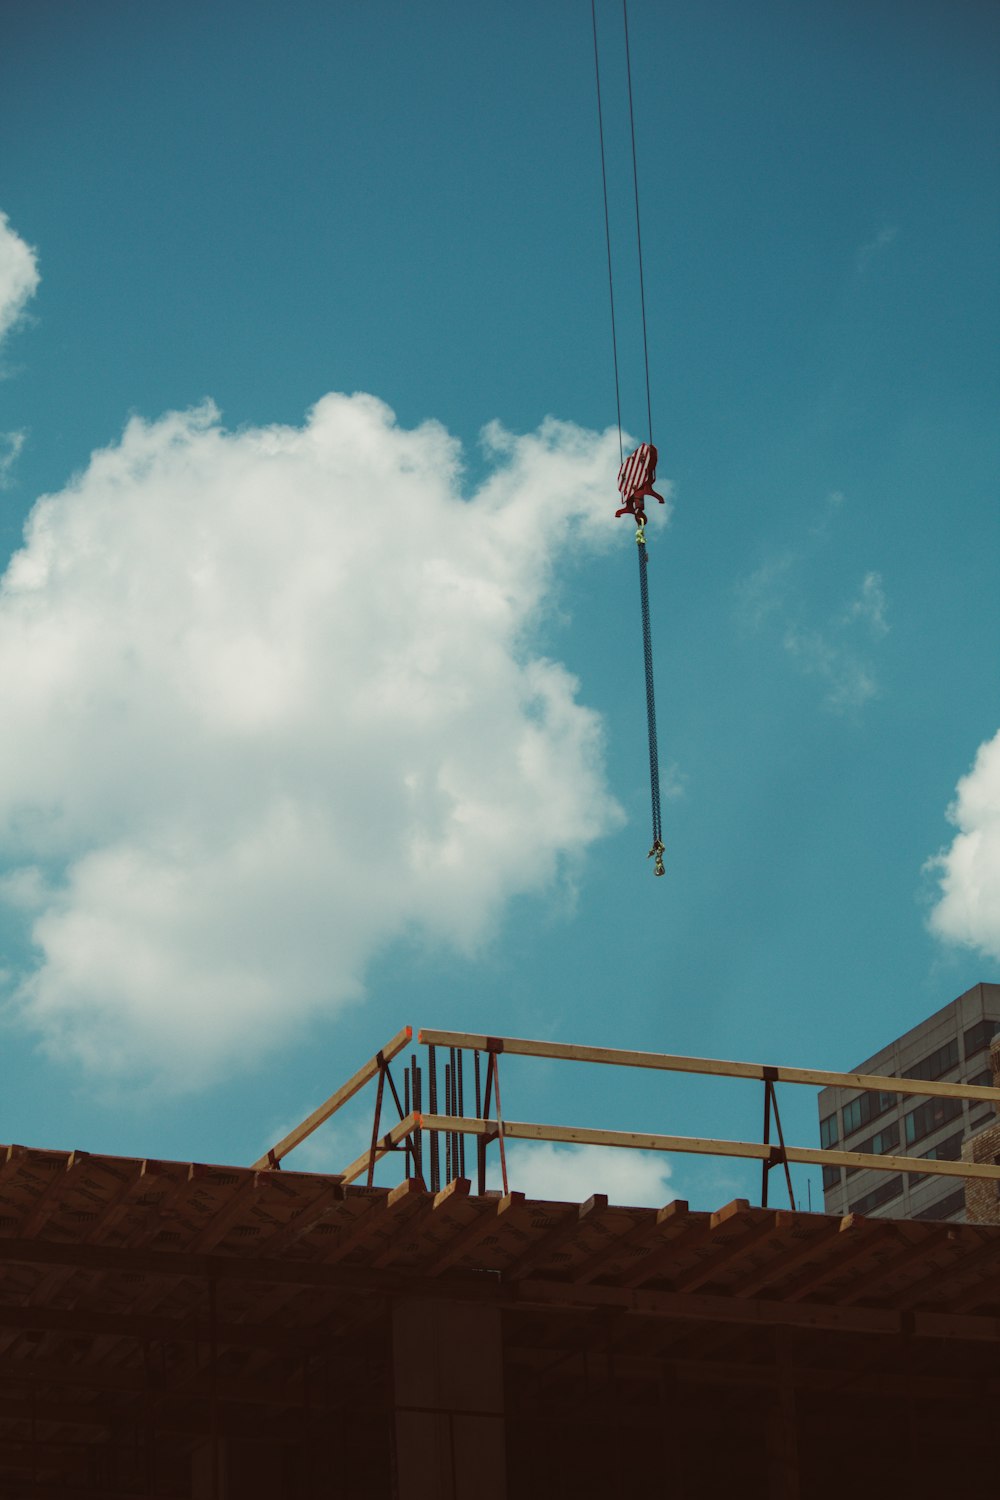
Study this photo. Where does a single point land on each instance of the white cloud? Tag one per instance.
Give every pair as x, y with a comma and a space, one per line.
270, 700
18, 275
869, 605
879, 242
850, 682
775, 597
11, 444
570, 1174
968, 911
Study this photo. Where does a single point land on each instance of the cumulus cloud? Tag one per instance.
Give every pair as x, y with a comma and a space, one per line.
570, 1174
18, 275
271, 699
968, 910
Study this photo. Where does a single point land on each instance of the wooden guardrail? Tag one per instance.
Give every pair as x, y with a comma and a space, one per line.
454, 1124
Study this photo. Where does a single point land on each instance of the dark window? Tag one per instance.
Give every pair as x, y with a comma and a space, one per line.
937, 1063
985, 1078
879, 1144
884, 1193
945, 1207
950, 1149
831, 1178
927, 1117
978, 1037
829, 1133
863, 1110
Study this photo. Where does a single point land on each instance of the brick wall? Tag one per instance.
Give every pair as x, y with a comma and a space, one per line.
982, 1199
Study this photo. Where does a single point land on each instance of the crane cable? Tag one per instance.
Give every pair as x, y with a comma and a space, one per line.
633, 502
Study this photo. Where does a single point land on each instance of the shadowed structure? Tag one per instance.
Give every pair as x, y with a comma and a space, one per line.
194, 1331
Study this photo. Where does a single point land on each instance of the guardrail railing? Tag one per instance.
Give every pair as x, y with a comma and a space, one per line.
446, 1131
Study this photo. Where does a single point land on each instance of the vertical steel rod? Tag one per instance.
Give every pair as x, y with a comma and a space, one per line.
765, 1165
448, 1135
480, 1143
461, 1111
432, 1099
406, 1106
418, 1144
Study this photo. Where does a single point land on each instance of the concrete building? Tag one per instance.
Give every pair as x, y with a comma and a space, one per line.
952, 1045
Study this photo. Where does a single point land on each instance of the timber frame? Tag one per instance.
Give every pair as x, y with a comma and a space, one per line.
204, 1332
487, 1124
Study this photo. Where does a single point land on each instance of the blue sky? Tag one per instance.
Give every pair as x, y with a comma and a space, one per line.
319, 721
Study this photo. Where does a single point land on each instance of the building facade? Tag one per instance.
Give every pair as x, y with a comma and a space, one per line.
952, 1045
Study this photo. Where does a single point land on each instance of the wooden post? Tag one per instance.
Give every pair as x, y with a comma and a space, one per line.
783, 1443
448, 1394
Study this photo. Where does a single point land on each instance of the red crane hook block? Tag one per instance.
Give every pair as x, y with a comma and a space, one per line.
635, 482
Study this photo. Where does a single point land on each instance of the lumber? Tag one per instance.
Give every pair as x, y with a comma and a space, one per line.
582, 1135
329, 1107
719, 1067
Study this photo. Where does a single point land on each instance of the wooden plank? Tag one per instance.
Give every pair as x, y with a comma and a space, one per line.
636, 1238
934, 1325
675, 1231
582, 1135
777, 1267
386, 1143
43, 1204
540, 1249
698, 1307
863, 1235
717, 1067
986, 1254
324, 1207
347, 1090
723, 1252
488, 1221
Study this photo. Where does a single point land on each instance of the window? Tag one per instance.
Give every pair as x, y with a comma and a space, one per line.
985, 1078
978, 1037
879, 1144
829, 1132
884, 1193
832, 1178
950, 1149
937, 1063
945, 1207
863, 1110
927, 1117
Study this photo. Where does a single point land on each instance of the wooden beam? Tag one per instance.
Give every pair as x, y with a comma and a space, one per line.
717, 1067
489, 1220
671, 1227
347, 1090
386, 1143
699, 1307
987, 1255
103, 1324
318, 1212
863, 1234
778, 1267
539, 1250
723, 1252
402, 1203
582, 1135
618, 1246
